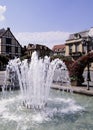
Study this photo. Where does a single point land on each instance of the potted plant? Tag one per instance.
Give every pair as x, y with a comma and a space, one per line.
76, 80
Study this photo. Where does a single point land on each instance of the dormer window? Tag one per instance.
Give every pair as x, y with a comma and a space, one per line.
77, 36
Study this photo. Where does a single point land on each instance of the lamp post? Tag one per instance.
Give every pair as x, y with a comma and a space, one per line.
87, 42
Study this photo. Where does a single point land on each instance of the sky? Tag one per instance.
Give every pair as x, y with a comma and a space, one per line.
47, 22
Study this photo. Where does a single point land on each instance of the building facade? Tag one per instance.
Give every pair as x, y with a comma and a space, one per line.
75, 46
41, 50
9, 46
59, 49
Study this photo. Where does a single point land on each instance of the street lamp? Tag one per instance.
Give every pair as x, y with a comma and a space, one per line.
87, 42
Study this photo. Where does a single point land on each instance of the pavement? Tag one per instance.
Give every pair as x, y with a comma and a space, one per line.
75, 89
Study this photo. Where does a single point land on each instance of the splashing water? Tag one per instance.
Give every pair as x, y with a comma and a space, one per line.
35, 78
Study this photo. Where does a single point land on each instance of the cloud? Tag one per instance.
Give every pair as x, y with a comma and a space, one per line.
46, 38
2, 11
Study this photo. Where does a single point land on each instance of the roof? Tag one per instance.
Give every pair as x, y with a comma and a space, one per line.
37, 46
57, 47
82, 34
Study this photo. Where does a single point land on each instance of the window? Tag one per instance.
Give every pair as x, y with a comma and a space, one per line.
8, 40
8, 49
60, 49
77, 48
70, 49
16, 49
84, 48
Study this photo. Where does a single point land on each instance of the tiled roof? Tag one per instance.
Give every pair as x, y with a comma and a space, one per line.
58, 47
2, 31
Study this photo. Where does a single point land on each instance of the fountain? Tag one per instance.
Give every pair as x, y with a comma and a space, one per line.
35, 78
50, 109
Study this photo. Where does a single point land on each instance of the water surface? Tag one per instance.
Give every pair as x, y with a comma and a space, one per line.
64, 111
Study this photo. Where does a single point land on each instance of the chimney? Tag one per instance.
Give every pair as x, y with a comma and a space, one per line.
8, 28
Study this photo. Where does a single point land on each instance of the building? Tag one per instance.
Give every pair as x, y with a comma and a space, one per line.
75, 46
9, 46
42, 50
59, 49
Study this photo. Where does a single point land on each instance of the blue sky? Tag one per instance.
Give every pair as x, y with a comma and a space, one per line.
46, 22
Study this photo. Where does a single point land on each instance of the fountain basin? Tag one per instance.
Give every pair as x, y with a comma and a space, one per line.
64, 111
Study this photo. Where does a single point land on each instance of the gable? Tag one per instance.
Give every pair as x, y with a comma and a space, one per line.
8, 34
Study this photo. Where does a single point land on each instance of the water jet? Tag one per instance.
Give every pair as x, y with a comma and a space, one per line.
35, 78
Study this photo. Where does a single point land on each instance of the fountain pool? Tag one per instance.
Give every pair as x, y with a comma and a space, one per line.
64, 111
